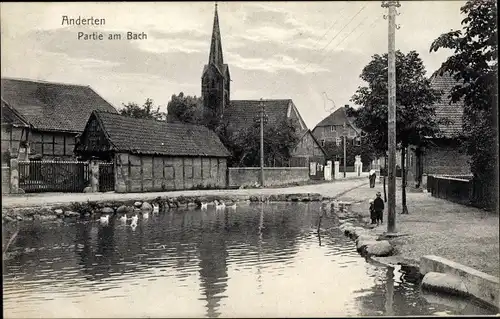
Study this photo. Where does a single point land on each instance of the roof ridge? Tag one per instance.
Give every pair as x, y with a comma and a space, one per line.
45, 82
151, 120
262, 100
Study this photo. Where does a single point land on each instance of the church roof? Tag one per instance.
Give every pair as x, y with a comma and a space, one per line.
241, 114
215, 56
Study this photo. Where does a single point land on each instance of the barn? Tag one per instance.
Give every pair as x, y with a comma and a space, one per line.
150, 155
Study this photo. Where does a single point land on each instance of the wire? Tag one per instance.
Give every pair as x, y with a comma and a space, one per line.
338, 33
359, 24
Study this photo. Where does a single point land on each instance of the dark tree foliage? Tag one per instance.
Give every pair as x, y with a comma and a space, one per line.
415, 111
146, 111
244, 144
474, 64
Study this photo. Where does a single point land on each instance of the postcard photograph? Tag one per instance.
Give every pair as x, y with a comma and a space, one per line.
249, 159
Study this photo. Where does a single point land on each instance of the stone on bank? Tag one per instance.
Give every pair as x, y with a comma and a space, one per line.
446, 283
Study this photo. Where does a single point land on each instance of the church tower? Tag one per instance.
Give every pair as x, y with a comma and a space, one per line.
215, 80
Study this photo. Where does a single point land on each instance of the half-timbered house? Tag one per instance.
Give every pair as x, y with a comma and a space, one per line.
150, 155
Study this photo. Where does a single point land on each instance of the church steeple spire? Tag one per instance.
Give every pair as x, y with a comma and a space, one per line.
216, 45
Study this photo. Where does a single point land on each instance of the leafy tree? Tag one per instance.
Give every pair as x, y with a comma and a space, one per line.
474, 65
186, 109
146, 111
415, 113
279, 141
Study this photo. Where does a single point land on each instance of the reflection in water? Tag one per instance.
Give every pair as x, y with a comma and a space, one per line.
257, 260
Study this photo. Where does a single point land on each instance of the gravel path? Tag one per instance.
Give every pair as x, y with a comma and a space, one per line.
466, 235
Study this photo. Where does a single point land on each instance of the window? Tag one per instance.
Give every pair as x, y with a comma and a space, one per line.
333, 128
322, 142
338, 141
357, 141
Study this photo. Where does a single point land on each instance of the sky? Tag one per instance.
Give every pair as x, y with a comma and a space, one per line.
310, 52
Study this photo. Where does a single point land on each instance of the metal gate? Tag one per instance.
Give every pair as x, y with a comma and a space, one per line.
53, 176
106, 177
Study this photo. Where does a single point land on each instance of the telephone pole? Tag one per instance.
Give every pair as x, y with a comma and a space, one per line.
261, 120
391, 189
345, 166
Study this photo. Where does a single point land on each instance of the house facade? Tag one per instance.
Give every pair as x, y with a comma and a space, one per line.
150, 155
442, 155
56, 114
332, 129
15, 131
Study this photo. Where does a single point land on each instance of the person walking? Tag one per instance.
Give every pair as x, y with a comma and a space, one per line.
372, 177
378, 206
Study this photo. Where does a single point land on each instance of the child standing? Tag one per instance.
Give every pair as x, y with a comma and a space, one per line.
378, 205
373, 215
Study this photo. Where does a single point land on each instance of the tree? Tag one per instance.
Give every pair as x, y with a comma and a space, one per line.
415, 113
146, 111
474, 65
279, 141
244, 144
186, 109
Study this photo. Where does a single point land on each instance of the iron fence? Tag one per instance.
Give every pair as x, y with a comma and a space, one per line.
53, 176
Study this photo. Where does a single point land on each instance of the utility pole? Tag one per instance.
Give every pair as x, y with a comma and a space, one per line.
344, 134
261, 120
391, 189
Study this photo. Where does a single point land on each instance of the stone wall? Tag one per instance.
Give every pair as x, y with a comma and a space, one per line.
144, 173
244, 176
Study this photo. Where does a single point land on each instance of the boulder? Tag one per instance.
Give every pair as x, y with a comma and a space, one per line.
87, 189
348, 230
364, 240
19, 217
344, 225
366, 237
446, 283
69, 213
8, 219
138, 204
357, 231
122, 209
380, 248
107, 210
59, 212
146, 207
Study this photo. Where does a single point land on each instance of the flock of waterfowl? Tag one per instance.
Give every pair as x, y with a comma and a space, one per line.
219, 205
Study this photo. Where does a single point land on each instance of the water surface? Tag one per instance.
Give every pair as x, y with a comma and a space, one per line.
258, 260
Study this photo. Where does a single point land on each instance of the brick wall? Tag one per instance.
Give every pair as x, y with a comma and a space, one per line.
141, 173
445, 160
243, 176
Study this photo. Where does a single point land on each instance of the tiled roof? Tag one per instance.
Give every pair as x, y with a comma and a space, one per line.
143, 136
10, 116
339, 117
53, 106
242, 113
445, 110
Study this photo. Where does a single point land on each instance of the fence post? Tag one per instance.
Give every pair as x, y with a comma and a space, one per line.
94, 176
14, 176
